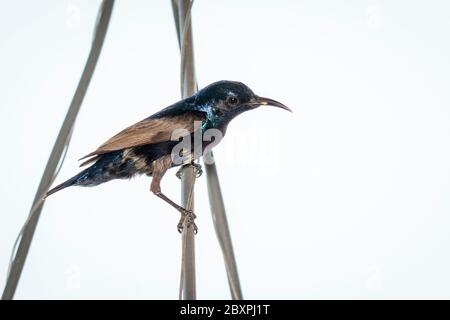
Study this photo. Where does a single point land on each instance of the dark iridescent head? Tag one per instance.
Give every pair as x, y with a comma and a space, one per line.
230, 98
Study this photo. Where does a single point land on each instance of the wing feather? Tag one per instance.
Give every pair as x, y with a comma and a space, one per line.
149, 131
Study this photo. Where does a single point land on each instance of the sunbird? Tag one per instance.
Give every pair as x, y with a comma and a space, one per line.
147, 146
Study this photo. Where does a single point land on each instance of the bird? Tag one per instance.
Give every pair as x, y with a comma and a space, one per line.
147, 147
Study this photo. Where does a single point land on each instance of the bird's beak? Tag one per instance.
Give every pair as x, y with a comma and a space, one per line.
270, 102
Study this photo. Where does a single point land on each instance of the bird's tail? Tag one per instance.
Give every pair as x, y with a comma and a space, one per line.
106, 168
71, 182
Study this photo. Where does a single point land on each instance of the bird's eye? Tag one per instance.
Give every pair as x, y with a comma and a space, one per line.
232, 100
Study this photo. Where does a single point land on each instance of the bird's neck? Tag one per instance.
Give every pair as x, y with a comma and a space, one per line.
214, 118
215, 122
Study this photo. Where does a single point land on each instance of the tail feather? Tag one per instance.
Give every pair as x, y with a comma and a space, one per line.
72, 181
106, 167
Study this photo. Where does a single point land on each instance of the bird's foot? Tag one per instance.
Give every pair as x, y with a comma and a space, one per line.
197, 167
187, 218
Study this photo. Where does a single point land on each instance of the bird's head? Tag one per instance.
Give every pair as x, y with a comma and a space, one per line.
227, 99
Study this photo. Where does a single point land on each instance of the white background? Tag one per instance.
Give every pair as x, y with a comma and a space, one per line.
348, 197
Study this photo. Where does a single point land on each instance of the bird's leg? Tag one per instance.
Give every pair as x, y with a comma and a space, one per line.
198, 172
190, 216
159, 169
185, 214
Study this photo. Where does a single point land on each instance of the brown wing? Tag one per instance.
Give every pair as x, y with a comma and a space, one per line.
148, 131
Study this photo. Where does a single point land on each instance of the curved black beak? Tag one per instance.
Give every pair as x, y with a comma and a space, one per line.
270, 102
